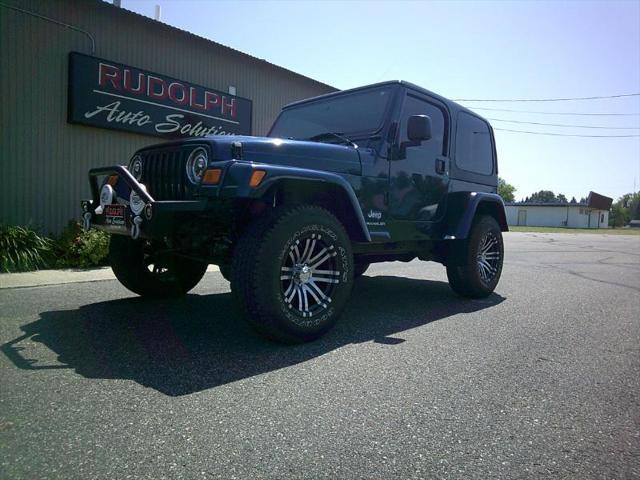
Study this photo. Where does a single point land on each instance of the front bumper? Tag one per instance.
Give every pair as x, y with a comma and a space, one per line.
157, 219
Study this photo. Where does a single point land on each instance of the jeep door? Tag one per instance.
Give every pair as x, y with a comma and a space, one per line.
418, 172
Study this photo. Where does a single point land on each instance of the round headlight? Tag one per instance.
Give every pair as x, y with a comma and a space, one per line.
106, 195
135, 202
136, 167
197, 164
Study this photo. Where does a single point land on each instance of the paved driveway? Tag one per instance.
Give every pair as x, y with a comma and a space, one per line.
540, 380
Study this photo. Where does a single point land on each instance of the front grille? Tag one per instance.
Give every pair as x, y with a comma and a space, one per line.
164, 174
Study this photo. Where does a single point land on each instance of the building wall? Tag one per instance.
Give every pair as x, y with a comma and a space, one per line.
45, 159
572, 216
585, 218
538, 216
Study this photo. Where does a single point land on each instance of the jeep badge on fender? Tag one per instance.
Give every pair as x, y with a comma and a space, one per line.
379, 173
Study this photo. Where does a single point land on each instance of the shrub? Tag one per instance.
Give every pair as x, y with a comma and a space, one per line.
22, 249
79, 249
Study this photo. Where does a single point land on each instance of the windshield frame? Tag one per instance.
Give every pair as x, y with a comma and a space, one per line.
356, 134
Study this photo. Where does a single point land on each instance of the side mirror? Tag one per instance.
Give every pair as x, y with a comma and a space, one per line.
419, 128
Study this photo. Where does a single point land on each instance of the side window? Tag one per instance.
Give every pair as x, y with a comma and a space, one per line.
474, 151
415, 106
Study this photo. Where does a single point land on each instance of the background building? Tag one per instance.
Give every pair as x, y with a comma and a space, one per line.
592, 214
133, 81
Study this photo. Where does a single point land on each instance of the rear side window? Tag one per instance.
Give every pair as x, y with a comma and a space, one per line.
474, 151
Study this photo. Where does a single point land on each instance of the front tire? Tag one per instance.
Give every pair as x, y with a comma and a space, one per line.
480, 272
139, 267
292, 273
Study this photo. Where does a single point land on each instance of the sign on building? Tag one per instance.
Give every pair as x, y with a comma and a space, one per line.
106, 94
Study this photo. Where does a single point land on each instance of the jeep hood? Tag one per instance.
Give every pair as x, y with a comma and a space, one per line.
296, 153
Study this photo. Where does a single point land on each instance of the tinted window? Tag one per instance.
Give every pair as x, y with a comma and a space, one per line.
361, 112
415, 106
474, 151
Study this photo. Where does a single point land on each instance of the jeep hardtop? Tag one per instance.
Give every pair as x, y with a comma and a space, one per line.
386, 172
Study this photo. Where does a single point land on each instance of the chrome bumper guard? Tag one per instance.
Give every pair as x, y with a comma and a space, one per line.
154, 220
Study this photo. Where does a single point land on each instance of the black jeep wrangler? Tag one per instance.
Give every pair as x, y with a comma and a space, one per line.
380, 173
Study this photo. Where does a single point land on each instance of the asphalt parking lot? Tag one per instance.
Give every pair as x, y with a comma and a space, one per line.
541, 380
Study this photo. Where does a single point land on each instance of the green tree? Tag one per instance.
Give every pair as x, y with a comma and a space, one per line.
617, 215
543, 196
506, 190
547, 196
625, 209
631, 201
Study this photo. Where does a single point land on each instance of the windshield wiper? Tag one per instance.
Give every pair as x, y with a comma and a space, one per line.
338, 135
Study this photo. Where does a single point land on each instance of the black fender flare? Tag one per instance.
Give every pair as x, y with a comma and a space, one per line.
462, 208
236, 185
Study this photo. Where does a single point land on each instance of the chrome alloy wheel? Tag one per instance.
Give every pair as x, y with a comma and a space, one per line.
309, 275
488, 257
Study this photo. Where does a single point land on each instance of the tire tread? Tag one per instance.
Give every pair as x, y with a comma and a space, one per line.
462, 277
125, 257
246, 262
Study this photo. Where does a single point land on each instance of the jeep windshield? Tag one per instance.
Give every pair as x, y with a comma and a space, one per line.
352, 115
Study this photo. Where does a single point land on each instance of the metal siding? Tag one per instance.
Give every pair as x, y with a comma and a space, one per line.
556, 216
44, 159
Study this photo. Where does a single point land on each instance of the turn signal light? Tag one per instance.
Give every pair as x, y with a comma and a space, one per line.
256, 178
212, 176
113, 179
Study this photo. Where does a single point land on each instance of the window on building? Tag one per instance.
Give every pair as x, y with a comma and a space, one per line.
474, 151
602, 218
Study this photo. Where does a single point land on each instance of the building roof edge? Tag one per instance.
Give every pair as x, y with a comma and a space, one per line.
159, 24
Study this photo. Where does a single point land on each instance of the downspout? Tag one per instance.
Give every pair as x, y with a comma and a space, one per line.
53, 20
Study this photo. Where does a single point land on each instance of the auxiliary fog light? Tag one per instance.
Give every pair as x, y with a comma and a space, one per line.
106, 195
135, 202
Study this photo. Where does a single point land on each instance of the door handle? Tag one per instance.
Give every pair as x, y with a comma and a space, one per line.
441, 166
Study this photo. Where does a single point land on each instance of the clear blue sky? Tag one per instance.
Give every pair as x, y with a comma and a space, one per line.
468, 49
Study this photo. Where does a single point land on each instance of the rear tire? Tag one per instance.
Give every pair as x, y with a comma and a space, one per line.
137, 267
292, 273
480, 272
